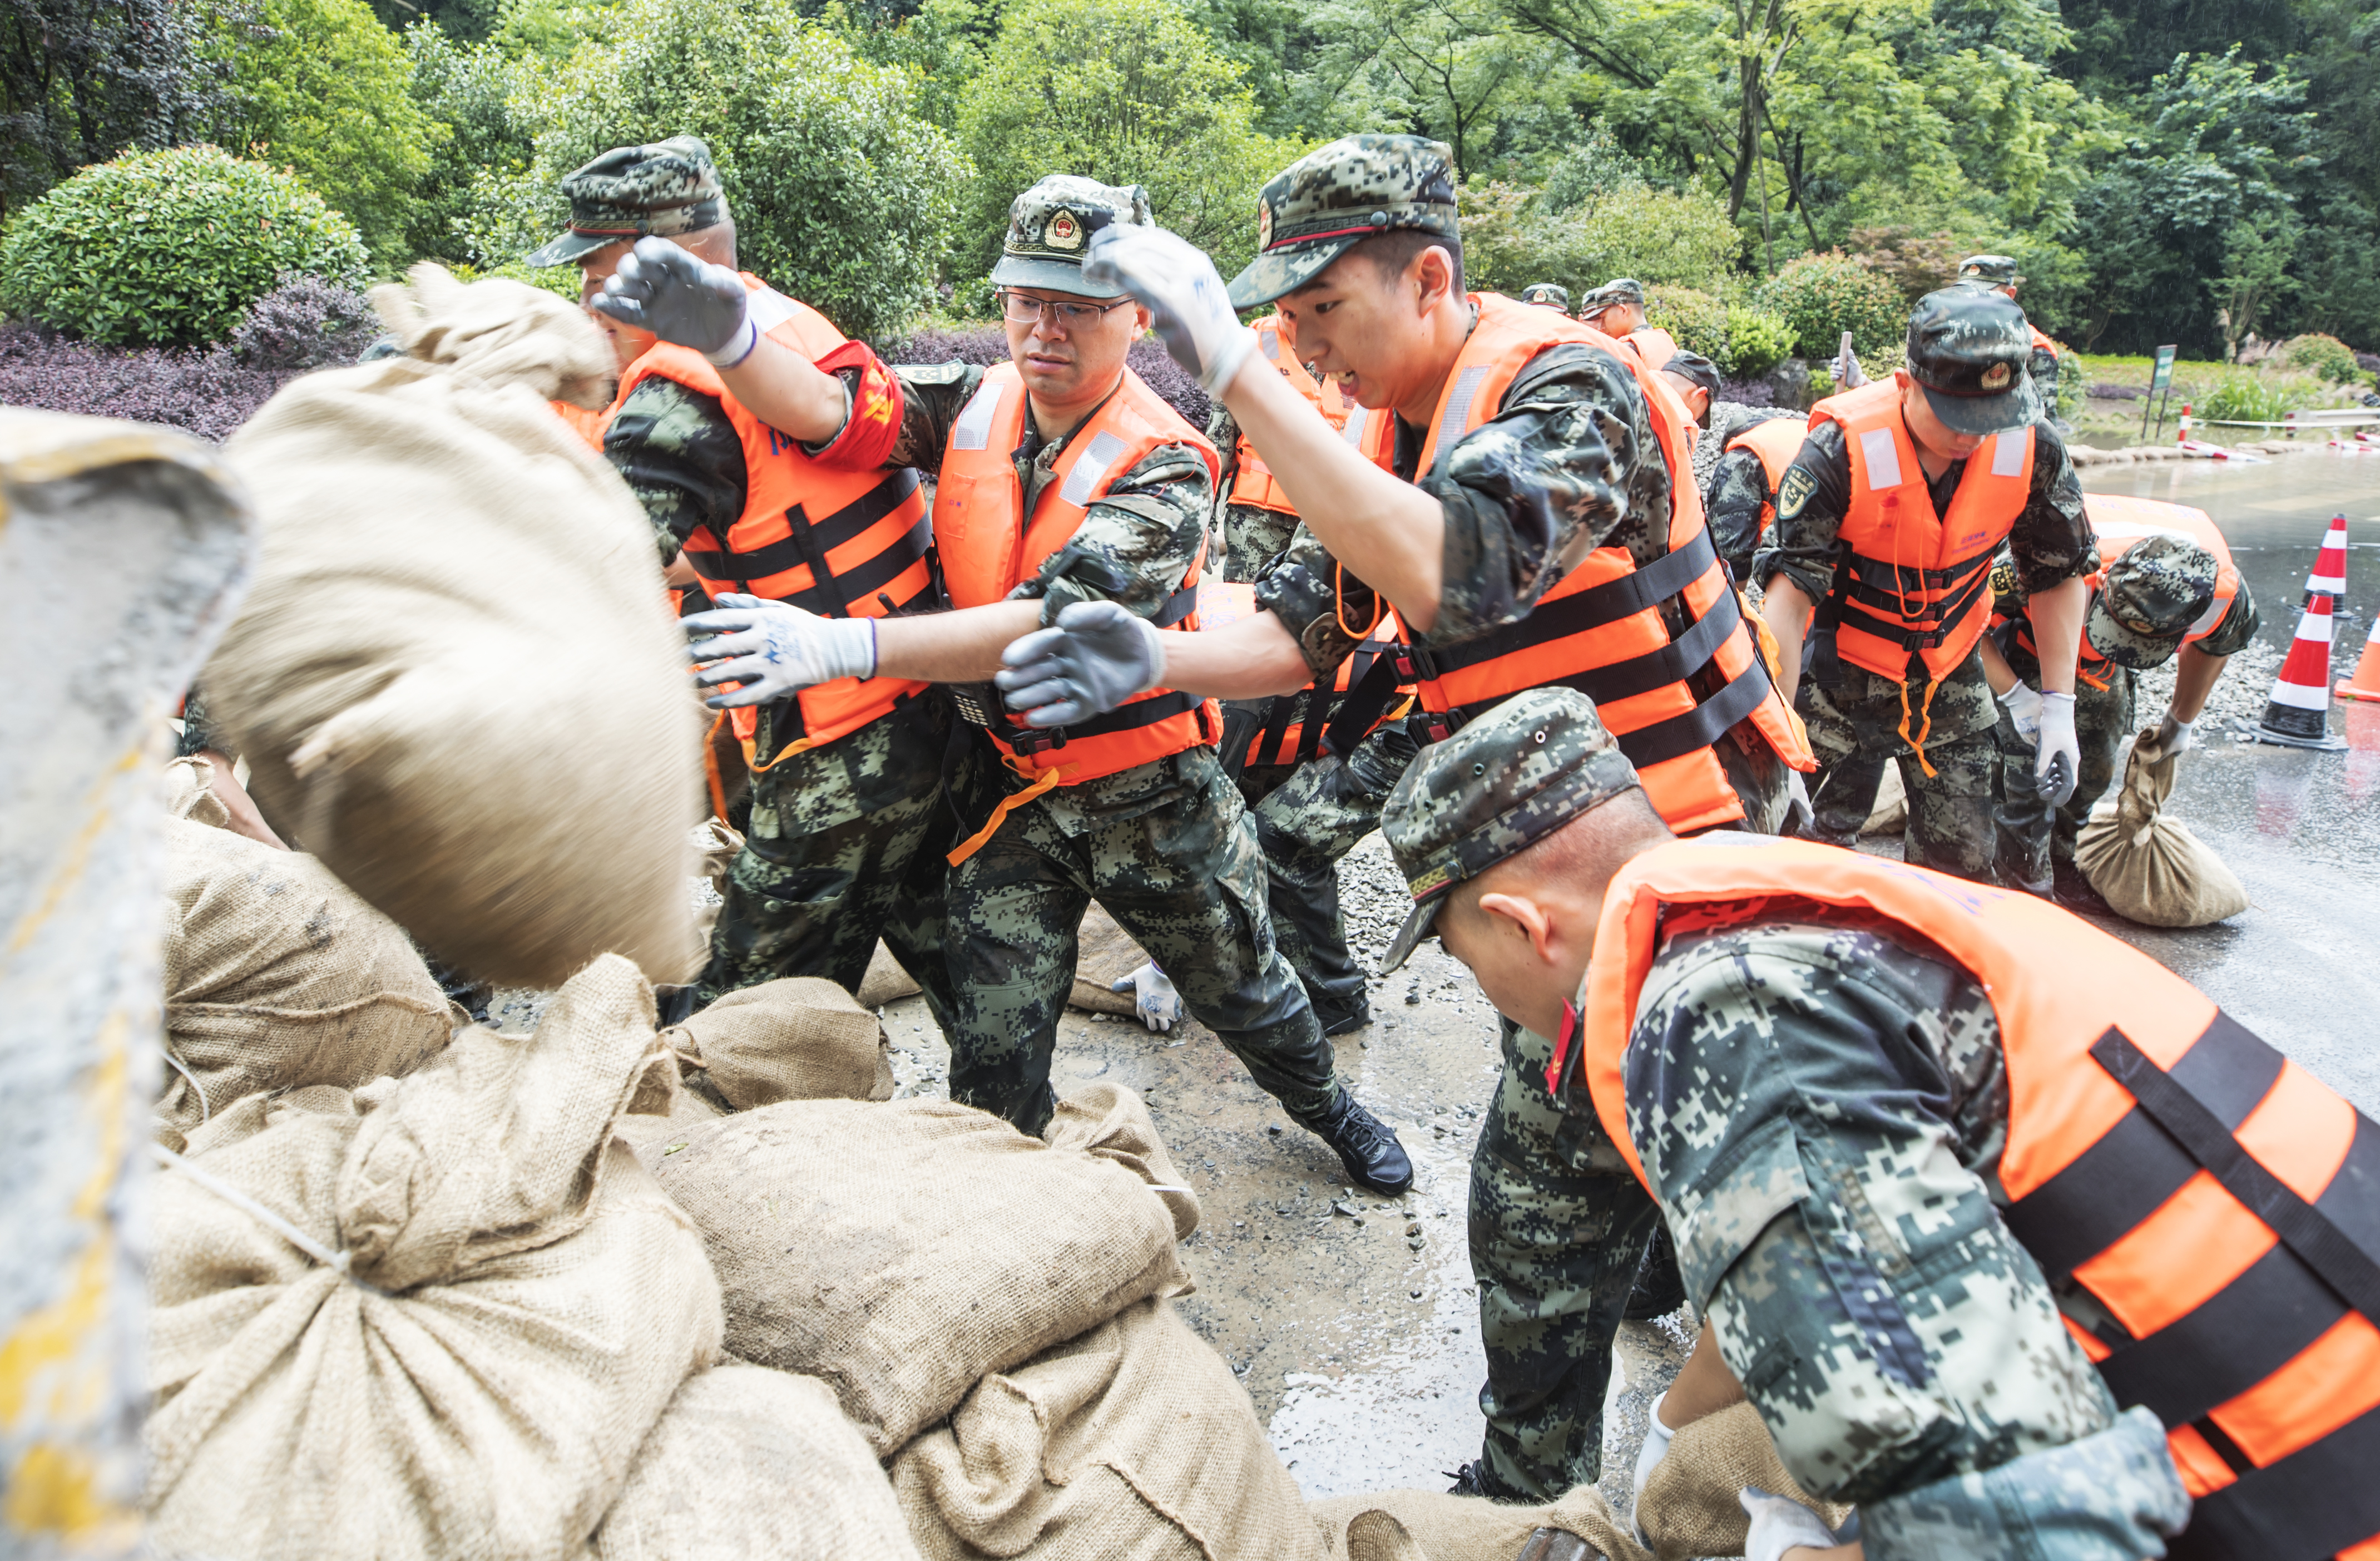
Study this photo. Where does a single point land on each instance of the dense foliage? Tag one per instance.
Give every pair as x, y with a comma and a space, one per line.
1820, 296
168, 247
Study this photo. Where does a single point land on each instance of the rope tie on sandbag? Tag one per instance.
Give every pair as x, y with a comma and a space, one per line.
328, 1257
205, 1110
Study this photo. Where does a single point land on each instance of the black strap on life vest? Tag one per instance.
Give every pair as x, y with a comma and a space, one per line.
1123, 718
808, 542
1368, 698
2326, 1262
1882, 609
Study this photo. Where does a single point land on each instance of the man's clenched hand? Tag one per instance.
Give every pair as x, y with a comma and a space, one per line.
662, 288
1184, 293
1097, 655
774, 648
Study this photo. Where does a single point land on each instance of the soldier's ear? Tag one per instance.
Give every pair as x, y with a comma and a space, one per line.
1522, 916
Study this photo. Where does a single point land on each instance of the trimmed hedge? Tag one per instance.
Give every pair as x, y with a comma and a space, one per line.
169, 249
1822, 296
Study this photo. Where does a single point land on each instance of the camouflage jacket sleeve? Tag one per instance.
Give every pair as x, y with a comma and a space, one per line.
932, 395
1733, 501
2234, 630
1810, 500
2051, 541
681, 456
1314, 599
1820, 1107
1136, 542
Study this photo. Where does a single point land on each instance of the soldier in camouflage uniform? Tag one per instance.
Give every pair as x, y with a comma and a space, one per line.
1166, 846
1735, 486
1997, 274
2150, 603
845, 840
1855, 713
1902, 1348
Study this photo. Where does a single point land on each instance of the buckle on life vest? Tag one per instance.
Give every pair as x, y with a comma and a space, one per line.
1031, 740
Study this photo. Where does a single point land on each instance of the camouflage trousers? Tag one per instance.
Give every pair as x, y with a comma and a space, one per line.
2034, 835
1857, 727
1819, 1109
1560, 1227
845, 847
1170, 852
1308, 817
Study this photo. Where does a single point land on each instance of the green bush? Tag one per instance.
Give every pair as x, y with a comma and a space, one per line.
1698, 319
1822, 296
2326, 355
169, 247
1756, 342
2265, 397
842, 195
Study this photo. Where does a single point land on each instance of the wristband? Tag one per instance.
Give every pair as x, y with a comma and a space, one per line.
739, 345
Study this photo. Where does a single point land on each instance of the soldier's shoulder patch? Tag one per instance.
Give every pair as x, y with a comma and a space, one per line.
2004, 576
1793, 492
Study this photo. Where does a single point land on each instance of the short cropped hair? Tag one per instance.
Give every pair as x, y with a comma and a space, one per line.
1391, 252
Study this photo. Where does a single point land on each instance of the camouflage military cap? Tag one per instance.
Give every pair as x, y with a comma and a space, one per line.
2150, 599
1992, 271
1694, 369
1552, 295
1049, 228
1339, 195
1494, 787
1968, 348
664, 189
1619, 290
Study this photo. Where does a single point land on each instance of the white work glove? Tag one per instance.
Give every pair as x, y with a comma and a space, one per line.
1154, 999
1778, 1524
775, 649
2058, 759
1185, 296
1848, 372
2176, 736
681, 299
1648, 1458
1097, 655
2024, 705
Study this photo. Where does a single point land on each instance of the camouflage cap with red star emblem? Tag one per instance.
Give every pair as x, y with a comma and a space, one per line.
1050, 229
1968, 348
1336, 195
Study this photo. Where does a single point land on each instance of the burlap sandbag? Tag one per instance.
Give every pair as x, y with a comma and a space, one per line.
2150, 867
190, 794
1433, 1526
798, 1039
900, 1252
1690, 1506
716, 846
748, 1463
682, 1109
277, 976
1108, 955
885, 982
455, 680
1132, 1443
515, 1303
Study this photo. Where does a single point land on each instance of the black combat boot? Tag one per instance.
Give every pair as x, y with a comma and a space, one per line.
1475, 1478
2074, 892
1366, 1146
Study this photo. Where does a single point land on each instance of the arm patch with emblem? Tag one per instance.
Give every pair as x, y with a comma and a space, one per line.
1795, 491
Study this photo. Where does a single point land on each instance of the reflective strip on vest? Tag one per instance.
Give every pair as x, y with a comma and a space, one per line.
2122, 523
1604, 628
2207, 1212
839, 543
989, 548
1909, 582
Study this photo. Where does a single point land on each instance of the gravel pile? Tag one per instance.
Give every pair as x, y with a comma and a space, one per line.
2237, 702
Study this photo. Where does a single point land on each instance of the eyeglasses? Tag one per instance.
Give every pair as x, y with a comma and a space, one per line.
1026, 311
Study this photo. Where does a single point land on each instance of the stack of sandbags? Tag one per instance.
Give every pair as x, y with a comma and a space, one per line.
2149, 867
747, 1462
798, 1039
436, 1316
1134, 1439
455, 680
278, 977
1434, 1526
900, 1251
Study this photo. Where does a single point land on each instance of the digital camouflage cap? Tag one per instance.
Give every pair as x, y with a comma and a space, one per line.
1497, 786
1619, 290
665, 190
2150, 599
1694, 369
1992, 271
1968, 348
1336, 195
1050, 229
1551, 295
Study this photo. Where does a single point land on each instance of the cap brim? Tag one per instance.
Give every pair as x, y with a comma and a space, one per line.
2019, 408
2127, 647
1049, 276
1421, 925
1280, 272
569, 246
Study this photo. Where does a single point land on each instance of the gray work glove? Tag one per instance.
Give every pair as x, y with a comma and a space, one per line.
2024, 705
681, 299
1848, 372
775, 649
2175, 735
1097, 655
2057, 758
1154, 999
1778, 1524
1184, 293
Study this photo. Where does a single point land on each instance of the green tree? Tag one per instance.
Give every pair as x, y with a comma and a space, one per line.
1513, 235
471, 89
1127, 91
321, 88
2256, 255
842, 196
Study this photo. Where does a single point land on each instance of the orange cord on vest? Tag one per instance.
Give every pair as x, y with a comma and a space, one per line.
2098, 683
1339, 605
1925, 729
1046, 780
710, 768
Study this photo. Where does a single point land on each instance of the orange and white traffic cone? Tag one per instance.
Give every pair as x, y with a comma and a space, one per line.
2182, 436
2297, 713
2330, 576
2365, 684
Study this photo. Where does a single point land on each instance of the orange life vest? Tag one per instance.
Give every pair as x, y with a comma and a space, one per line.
1776, 442
989, 548
1252, 480
2041, 340
1280, 739
588, 425
1600, 628
840, 543
2216, 1207
2121, 523
1652, 344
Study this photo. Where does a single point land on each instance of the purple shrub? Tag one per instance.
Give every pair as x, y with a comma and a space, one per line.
206, 390
305, 323
1748, 393
988, 345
